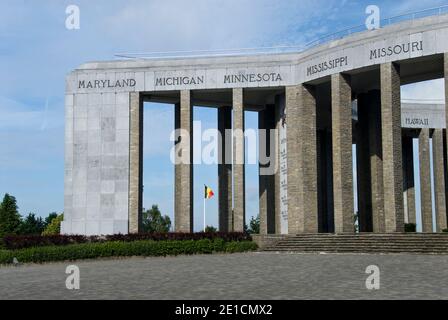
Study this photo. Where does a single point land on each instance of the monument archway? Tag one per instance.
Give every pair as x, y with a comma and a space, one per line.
312, 92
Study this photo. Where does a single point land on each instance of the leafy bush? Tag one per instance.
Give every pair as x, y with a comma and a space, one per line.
12, 223
54, 226
154, 221
21, 242
31, 225
410, 227
210, 229
50, 218
9, 216
254, 225
123, 249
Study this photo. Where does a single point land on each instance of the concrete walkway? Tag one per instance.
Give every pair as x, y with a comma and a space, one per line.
240, 276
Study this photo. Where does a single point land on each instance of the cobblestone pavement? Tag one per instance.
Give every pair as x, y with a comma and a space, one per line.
240, 276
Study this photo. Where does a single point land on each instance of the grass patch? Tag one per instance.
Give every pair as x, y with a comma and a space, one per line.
145, 248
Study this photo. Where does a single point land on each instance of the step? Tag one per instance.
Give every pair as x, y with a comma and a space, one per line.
436, 236
357, 249
365, 241
364, 247
363, 252
360, 246
421, 245
359, 237
354, 249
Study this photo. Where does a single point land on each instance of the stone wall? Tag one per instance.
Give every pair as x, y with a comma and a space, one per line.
96, 163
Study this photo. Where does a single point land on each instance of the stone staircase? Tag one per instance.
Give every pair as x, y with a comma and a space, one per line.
363, 243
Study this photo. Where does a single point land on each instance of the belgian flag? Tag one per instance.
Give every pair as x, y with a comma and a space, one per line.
208, 194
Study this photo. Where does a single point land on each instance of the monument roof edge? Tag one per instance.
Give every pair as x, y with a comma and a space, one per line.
194, 62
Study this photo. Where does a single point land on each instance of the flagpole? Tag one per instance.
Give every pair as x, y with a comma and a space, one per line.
204, 215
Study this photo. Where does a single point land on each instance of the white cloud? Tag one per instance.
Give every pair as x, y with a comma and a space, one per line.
416, 5
30, 137
427, 91
158, 124
204, 24
15, 115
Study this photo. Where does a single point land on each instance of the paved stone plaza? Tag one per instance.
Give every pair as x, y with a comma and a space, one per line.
240, 276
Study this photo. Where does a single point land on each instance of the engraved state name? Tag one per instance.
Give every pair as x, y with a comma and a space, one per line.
103, 84
417, 121
327, 65
374, 54
227, 79
409, 47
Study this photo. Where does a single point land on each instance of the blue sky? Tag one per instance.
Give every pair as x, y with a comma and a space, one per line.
37, 51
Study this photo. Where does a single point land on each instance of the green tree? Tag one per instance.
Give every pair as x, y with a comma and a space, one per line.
50, 218
210, 229
54, 228
154, 222
9, 216
254, 225
31, 225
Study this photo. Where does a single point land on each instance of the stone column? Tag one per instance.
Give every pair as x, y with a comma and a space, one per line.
341, 97
446, 109
392, 149
425, 181
439, 179
177, 176
409, 184
239, 211
363, 165
278, 124
446, 99
376, 162
267, 169
136, 163
225, 169
325, 181
302, 160
262, 181
183, 204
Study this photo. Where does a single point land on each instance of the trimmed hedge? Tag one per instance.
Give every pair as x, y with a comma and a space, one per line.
145, 248
21, 242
